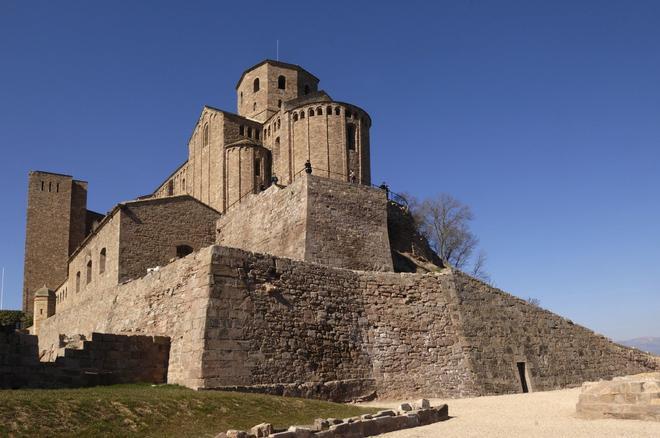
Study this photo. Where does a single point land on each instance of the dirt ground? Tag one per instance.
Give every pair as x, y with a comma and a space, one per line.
539, 414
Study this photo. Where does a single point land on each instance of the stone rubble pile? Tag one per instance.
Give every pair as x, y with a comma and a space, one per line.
408, 415
630, 397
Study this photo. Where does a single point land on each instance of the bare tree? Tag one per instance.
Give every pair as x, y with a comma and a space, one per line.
444, 221
534, 301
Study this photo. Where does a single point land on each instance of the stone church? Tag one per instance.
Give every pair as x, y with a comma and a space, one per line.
272, 264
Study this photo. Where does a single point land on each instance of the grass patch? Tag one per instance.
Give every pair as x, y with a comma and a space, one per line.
152, 411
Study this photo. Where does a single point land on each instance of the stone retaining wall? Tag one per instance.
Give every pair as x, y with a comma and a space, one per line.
259, 323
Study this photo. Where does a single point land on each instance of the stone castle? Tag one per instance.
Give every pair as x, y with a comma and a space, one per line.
272, 264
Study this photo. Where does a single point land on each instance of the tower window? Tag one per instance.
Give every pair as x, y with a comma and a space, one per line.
255, 85
337, 111
254, 106
77, 281
306, 89
319, 111
241, 130
257, 166
328, 110
302, 114
42, 186
102, 261
256, 134
89, 272
57, 187
295, 117
281, 82
241, 98
170, 188
348, 114
50, 186
279, 103
249, 132
350, 137
278, 123
311, 112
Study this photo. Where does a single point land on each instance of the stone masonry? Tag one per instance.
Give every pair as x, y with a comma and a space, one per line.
259, 321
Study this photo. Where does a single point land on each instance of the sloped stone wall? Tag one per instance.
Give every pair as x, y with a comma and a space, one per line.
500, 330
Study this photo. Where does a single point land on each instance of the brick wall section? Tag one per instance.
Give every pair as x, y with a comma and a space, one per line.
151, 230
279, 321
415, 336
313, 219
347, 225
271, 222
500, 330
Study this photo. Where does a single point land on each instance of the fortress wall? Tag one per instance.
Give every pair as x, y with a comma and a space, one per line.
152, 229
276, 321
313, 219
415, 336
500, 330
171, 302
337, 236
273, 321
271, 222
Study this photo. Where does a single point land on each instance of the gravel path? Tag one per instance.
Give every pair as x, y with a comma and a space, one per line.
540, 414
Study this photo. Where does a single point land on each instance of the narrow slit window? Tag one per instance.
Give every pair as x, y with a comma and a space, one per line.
255, 85
77, 281
102, 261
89, 272
350, 137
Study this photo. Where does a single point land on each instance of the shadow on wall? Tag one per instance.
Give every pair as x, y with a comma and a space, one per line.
105, 360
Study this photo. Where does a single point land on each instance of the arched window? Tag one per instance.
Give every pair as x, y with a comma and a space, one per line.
183, 184
319, 111
241, 130
337, 111
302, 114
256, 134
350, 136
278, 123
183, 250
279, 103
255, 85
170, 188
205, 135
277, 142
281, 82
306, 89
348, 114
102, 261
249, 132
89, 272
295, 117
328, 110
311, 112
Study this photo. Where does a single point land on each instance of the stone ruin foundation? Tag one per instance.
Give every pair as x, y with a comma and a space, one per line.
631, 398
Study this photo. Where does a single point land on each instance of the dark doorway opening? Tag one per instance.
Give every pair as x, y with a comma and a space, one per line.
183, 250
523, 378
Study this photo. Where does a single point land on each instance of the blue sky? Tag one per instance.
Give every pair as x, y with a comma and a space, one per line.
542, 116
